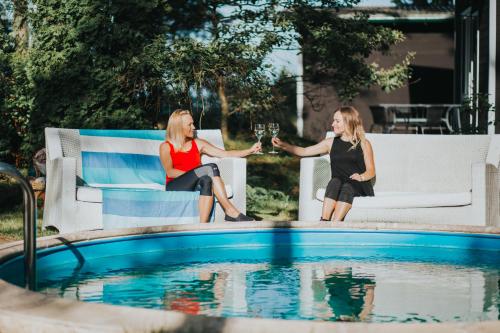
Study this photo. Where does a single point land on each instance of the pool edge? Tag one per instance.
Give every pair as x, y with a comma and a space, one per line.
24, 311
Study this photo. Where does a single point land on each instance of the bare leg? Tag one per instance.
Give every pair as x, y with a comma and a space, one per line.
205, 207
328, 207
341, 209
221, 195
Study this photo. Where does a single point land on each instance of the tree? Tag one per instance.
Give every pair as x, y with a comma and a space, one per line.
228, 53
337, 50
91, 64
14, 88
6, 49
224, 55
20, 24
120, 63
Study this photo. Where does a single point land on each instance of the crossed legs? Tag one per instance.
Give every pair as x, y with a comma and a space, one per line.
207, 180
207, 201
221, 195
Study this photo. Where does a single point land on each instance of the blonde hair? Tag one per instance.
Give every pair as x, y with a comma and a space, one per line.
174, 128
352, 125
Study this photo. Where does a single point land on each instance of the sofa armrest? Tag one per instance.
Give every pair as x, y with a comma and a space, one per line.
60, 191
479, 200
493, 195
314, 174
234, 172
53, 144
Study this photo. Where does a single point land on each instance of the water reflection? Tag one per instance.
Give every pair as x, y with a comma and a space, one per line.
333, 290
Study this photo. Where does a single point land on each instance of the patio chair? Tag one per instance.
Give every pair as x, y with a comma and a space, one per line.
383, 118
433, 119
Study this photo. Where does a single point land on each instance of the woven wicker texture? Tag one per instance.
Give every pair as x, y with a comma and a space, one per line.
70, 144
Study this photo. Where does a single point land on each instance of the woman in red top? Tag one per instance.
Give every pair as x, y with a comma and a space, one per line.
180, 156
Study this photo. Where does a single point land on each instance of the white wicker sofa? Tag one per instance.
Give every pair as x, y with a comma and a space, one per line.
72, 206
420, 178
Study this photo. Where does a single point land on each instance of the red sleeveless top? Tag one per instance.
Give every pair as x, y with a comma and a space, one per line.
184, 160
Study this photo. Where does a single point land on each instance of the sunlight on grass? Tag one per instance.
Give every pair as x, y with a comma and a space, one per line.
11, 225
272, 183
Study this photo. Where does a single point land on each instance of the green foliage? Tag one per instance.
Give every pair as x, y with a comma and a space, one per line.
220, 64
392, 78
270, 204
337, 48
128, 63
474, 114
89, 65
10, 122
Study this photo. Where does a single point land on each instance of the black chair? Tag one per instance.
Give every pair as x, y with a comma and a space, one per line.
453, 116
433, 119
383, 118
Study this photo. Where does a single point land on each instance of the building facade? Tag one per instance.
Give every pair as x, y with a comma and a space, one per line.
442, 40
477, 44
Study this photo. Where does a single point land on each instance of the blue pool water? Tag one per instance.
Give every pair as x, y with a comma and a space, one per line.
373, 276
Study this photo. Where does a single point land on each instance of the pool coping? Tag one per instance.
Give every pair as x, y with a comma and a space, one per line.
26, 311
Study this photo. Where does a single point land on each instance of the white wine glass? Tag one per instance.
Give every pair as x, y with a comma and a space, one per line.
274, 129
259, 130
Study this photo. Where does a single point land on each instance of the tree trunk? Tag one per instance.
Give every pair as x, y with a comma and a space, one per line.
20, 25
224, 107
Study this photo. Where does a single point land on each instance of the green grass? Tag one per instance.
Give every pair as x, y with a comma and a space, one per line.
272, 190
11, 212
272, 181
11, 225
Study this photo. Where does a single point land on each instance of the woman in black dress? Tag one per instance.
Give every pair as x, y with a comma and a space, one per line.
351, 162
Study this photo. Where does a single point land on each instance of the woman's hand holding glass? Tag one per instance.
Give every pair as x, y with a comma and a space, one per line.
259, 131
274, 129
277, 143
256, 148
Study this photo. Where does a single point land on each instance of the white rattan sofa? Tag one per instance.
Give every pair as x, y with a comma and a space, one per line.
71, 206
434, 179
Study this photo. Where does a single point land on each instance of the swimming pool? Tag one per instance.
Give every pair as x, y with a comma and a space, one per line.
329, 274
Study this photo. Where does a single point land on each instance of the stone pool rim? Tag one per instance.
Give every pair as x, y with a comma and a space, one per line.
22, 310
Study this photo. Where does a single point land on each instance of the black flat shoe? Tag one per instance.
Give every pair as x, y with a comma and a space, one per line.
239, 218
323, 220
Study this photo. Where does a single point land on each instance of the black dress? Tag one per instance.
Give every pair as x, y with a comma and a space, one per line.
345, 161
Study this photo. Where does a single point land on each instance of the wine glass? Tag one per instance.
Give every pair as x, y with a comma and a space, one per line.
274, 129
259, 130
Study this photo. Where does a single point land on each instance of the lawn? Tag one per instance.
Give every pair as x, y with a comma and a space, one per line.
11, 212
272, 190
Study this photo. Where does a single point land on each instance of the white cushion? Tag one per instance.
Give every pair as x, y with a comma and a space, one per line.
94, 194
408, 199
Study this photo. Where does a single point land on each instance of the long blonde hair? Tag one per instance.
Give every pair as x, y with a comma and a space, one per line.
353, 125
174, 128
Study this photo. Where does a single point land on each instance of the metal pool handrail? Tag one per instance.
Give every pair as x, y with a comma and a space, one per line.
29, 217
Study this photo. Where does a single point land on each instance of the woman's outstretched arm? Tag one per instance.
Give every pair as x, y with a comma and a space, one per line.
206, 147
320, 148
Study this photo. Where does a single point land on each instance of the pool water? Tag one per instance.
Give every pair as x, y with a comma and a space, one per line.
341, 277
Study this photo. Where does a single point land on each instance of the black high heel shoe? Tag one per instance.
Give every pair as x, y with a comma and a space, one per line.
240, 218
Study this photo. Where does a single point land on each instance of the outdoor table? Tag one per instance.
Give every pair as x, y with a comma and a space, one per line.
404, 113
